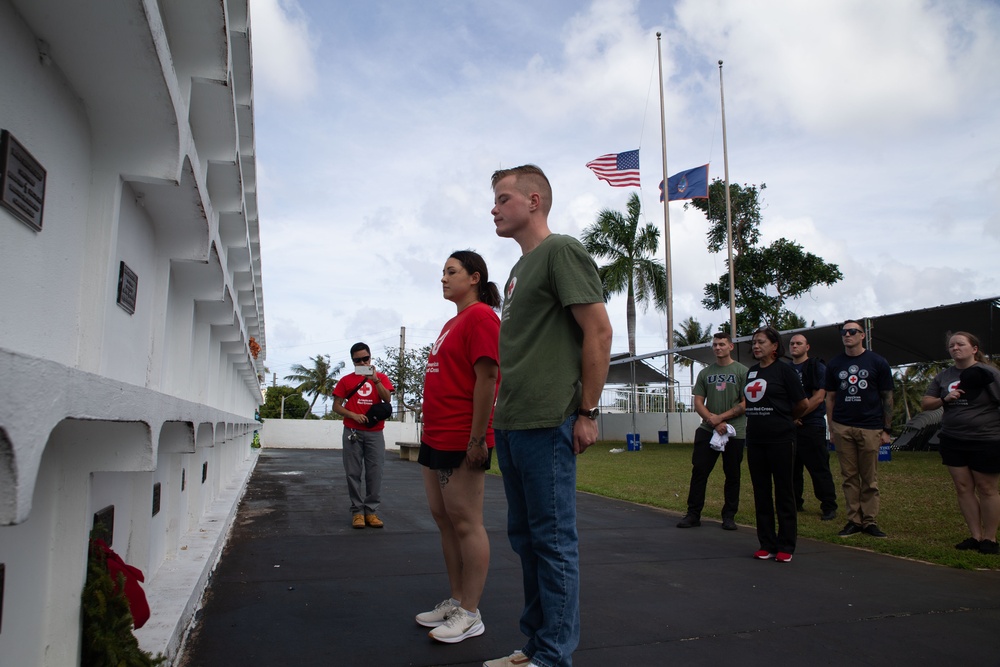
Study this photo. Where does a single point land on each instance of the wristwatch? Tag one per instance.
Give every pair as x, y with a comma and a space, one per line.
887, 431
589, 414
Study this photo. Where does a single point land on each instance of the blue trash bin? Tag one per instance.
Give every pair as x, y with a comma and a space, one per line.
664, 437
634, 443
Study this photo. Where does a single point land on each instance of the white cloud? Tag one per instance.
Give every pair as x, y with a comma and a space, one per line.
283, 50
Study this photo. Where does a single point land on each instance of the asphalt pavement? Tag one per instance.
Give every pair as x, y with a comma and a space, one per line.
296, 585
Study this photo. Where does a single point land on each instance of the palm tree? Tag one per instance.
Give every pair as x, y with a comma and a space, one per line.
631, 267
318, 380
690, 333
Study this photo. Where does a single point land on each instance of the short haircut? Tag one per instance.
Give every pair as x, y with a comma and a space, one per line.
528, 178
719, 335
357, 347
858, 322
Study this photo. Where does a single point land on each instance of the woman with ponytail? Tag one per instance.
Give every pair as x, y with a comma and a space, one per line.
775, 399
456, 445
969, 392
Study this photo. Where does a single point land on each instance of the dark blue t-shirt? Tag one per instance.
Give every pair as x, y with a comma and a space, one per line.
858, 382
771, 394
812, 374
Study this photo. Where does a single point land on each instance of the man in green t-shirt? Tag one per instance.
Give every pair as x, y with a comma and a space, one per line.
555, 345
719, 401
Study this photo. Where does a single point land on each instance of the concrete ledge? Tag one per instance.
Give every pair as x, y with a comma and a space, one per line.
408, 451
175, 591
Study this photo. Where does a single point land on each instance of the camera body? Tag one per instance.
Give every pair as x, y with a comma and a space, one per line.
364, 370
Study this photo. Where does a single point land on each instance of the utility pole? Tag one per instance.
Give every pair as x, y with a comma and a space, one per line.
402, 371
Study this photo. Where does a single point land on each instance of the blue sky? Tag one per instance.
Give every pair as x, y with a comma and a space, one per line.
379, 123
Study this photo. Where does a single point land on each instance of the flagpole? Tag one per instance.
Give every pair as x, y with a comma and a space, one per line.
729, 215
666, 238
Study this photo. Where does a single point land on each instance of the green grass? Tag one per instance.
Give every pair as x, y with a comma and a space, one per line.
918, 510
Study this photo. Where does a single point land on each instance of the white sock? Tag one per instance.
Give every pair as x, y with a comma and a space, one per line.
470, 614
455, 603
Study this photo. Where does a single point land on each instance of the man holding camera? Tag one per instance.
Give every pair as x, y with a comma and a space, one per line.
364, 444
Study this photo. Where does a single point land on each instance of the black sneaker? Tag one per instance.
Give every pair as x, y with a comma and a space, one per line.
968, 544
728, 524
989, 547
872, 530
690, 521
850, 530
828, 516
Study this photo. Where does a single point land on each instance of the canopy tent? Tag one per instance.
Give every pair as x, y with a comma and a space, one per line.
902, 338
620, 371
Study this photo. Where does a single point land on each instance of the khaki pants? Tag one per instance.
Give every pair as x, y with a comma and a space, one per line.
857, 449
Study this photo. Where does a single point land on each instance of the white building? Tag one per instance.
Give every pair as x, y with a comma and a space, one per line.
131, 287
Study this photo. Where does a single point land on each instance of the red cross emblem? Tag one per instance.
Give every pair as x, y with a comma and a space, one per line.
755, 391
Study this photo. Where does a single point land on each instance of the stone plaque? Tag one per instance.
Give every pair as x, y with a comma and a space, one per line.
128, 288
22, 182
156, 499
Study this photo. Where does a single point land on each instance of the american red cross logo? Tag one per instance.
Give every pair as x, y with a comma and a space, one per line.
755, 391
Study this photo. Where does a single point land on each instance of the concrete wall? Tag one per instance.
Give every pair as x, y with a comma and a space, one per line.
141, 115
323, 434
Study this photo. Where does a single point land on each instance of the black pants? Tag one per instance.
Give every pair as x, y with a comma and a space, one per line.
812, 453
703, 459
772, 461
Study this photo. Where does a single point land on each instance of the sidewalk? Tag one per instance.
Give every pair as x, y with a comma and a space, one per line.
296, 585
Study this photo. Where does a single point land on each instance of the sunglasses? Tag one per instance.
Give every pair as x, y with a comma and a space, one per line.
850, 332
361, 360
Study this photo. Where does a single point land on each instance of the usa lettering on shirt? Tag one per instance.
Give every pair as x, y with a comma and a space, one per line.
721, 379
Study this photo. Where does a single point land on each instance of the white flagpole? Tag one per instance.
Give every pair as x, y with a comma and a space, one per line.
729, 215
666, 238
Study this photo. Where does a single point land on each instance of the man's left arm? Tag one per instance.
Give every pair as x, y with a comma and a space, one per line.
887, 406
596, 355
383, 391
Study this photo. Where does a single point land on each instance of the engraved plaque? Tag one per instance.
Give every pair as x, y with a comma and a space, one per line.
22, 182
156, 499
128, 288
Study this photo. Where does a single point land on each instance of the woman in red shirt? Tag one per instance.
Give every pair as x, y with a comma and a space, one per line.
456, 445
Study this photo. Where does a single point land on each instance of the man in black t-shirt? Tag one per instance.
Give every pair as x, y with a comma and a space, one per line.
811, 451
859, 409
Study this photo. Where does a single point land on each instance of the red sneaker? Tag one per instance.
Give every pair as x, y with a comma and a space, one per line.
763, 554
782, 557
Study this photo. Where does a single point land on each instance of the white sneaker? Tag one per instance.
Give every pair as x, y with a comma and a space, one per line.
438, 615
515, 659
458, 626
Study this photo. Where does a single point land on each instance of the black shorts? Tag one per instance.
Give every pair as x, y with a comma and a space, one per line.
977, 455
437, 459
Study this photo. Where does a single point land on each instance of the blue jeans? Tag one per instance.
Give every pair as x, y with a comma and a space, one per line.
539, 478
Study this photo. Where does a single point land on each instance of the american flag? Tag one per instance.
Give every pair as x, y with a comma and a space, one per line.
620, 170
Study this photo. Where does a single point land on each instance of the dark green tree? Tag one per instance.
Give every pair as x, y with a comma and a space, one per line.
296, 407
632, 267
766, 278
319, 380
407, 377
690, 333
909, 387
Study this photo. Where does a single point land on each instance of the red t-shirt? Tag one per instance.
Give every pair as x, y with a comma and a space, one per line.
451, 377
362, 399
